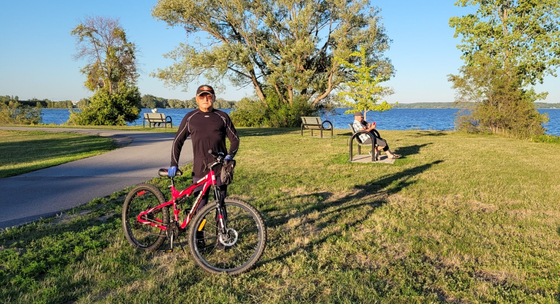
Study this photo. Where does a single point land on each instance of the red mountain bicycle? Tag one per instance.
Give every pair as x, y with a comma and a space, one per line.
227, 235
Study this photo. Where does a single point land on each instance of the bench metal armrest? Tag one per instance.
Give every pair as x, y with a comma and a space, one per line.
327, 122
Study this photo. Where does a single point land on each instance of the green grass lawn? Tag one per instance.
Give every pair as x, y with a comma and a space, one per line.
461, 218
25, 151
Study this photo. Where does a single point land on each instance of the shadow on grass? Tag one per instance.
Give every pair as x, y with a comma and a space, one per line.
373, 194
429, 133
410, 150
264, 131
30, 155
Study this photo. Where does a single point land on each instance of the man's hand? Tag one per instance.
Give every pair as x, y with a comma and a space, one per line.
172, 171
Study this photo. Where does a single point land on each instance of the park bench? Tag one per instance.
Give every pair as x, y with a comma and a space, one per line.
356, 136
315, 123
157, 119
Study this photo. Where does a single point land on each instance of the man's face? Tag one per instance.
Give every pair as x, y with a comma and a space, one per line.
360, 118
205, 102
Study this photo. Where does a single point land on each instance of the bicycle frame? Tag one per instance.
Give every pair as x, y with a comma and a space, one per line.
207, 181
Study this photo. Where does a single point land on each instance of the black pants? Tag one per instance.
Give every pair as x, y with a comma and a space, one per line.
222, 189
379, 142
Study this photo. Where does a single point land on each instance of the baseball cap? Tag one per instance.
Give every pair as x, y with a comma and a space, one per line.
204, 89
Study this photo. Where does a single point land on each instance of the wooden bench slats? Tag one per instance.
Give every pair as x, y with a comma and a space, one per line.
158, 119
315, 123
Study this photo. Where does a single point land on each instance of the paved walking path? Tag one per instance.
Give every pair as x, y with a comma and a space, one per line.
46, 192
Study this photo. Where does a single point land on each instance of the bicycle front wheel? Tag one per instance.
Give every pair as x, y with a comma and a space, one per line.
144, 236
237, 250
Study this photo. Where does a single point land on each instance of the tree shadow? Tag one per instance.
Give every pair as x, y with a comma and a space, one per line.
51, 149
373, 194
245, 132
410, 150
429, 133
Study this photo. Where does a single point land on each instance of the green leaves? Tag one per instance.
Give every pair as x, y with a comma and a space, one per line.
508, 46
364, 92
281, 44
111, 56
108, 109
111, 73
522, 36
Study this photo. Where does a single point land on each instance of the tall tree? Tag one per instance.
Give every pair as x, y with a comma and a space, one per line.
111, 73
112, 60
365, 93
286, 47
508, 47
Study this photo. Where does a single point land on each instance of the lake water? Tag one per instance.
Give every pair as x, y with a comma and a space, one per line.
395, 119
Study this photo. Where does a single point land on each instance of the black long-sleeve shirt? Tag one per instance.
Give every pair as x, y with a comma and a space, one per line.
208, 131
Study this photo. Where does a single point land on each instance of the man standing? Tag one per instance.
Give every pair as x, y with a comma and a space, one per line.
208, 129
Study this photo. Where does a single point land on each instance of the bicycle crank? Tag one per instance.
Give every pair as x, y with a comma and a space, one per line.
172, 234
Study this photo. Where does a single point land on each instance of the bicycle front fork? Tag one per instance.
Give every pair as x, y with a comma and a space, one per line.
221, 213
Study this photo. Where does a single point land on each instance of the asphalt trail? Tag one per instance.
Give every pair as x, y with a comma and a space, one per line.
47, 192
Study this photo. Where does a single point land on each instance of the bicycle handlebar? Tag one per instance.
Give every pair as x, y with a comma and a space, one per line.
219, 160
163, 172
216, 154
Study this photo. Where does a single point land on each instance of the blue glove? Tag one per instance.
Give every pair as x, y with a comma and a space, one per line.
172, 171
228, 157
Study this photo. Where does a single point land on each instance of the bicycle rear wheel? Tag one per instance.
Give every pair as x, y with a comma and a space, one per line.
235, 252
139, 235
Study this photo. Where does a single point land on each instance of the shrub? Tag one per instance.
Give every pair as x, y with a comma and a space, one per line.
272, 113
13, 112
551, 139
107, 109
505, 109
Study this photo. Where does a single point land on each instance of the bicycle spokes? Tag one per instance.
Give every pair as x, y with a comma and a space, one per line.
232, 249
138, 215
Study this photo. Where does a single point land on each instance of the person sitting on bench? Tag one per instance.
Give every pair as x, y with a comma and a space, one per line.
361, 125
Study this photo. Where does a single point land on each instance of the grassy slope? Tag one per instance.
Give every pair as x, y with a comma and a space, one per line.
461, 218
28, 151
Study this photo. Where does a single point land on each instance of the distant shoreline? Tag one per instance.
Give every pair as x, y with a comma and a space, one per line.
412, 105
452, 105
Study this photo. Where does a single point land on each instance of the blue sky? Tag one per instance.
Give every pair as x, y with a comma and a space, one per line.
36, 56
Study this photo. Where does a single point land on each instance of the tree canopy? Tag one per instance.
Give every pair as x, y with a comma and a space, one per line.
283, 47
508, 46
112, 60
365, 93
111, 73
521, 37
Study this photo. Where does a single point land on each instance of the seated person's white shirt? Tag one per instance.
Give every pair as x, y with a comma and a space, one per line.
358, 126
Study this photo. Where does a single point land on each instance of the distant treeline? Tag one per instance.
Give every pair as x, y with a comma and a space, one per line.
37, 103
427, 105
544, 105
150, 101
453, 105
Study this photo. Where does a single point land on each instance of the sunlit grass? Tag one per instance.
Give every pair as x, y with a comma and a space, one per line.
461, 218
24, 151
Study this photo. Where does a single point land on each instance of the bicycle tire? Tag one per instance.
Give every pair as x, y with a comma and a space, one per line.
241, 255
139, 235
